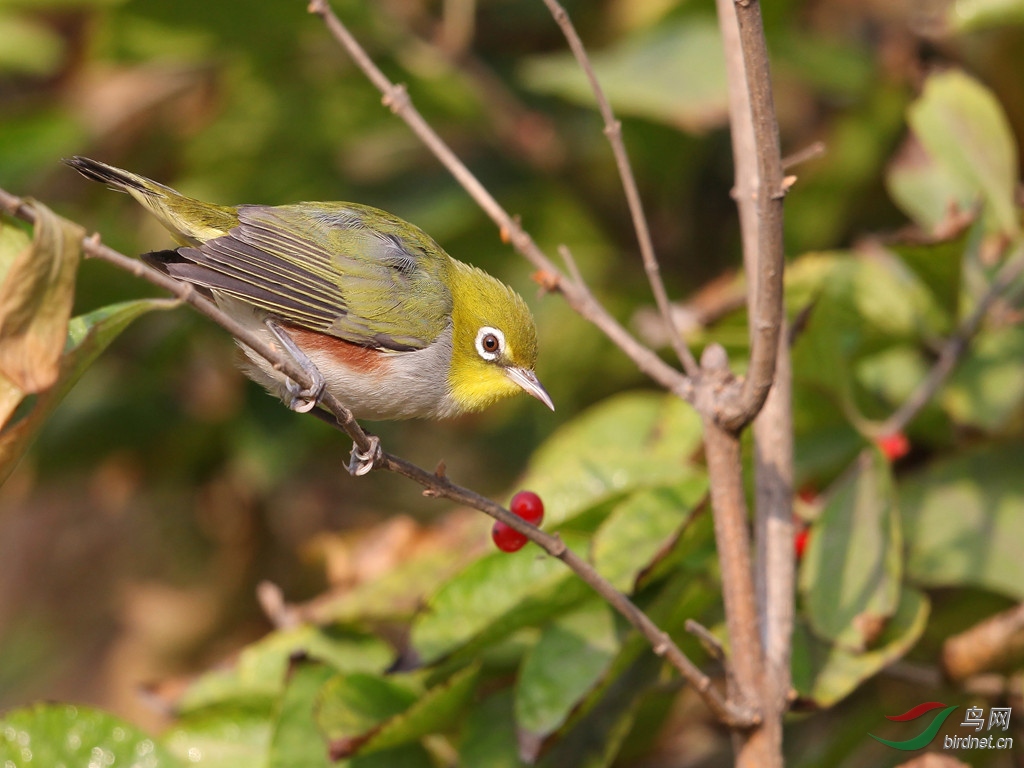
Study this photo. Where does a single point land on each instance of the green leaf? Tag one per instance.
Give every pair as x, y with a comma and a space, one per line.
598, 725
629, 441
223, 736
850, 577
987, 388
962, 125
674, 74
87, 337
594, 740
938, 265
826, 673
963, 520
435, 711
642, 526
364, 714
351, 708
926, 190
53, 735
495, 596
261, 667
297, 742
570, 657
489, 734
861, 306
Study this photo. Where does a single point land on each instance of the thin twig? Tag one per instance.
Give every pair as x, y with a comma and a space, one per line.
396, 98
810, 152
613, 130
954, 348
437, 483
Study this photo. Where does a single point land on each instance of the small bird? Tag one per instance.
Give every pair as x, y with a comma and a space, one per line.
369, 305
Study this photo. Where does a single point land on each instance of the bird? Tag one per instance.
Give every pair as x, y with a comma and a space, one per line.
369, 305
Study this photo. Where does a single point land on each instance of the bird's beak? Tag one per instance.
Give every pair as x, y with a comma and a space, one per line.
527, 379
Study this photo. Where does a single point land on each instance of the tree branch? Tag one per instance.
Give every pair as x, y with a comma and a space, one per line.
436, 484
396, 98
613, 130
760, 189
725, 468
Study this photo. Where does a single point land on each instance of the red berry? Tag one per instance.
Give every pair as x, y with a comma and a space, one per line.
528, 506
800, 542
507, 539
894, 446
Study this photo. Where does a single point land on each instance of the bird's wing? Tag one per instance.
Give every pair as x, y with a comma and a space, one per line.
342, 269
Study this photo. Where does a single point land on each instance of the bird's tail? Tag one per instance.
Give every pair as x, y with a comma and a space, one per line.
115, 177
190, 221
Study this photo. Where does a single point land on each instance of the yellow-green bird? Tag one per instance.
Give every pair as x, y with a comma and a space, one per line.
395, 326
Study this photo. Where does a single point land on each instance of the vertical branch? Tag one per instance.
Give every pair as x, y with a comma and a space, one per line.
758, 191
774, 565
725, 469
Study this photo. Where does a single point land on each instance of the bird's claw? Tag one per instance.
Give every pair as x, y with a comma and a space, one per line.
303, 400
362, 462
300, 400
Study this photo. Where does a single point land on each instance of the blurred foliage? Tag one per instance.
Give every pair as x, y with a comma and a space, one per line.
164, 487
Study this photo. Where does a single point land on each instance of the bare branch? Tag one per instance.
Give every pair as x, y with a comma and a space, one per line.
397, 99
613, 130
760, 189
732, 538
437, 483
775, 562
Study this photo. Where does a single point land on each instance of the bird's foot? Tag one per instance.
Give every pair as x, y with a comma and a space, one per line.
361, 462
300, 399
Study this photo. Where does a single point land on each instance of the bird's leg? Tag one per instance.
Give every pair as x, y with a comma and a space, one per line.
361, 462
302, 400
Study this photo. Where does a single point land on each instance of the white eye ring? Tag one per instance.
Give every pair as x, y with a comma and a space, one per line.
490, 342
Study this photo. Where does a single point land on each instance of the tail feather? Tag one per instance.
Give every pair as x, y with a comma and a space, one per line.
190, 221
108, 174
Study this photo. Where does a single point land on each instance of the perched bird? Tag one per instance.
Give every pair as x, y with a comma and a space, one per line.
372, 308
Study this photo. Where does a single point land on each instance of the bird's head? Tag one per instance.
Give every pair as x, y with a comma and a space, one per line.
494, 342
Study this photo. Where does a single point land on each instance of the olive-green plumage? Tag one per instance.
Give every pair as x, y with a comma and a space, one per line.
396, 326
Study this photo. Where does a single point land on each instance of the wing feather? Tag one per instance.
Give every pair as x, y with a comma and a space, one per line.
347, 270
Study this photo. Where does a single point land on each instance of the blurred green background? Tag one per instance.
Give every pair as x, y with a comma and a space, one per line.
167, 486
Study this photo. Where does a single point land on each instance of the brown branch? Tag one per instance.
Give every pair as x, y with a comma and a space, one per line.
996, 642
760, 189
725, 467
613, 130
396, 98
775, 562
954, 349
436, 483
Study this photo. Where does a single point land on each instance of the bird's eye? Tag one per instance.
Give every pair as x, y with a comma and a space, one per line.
489, 342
